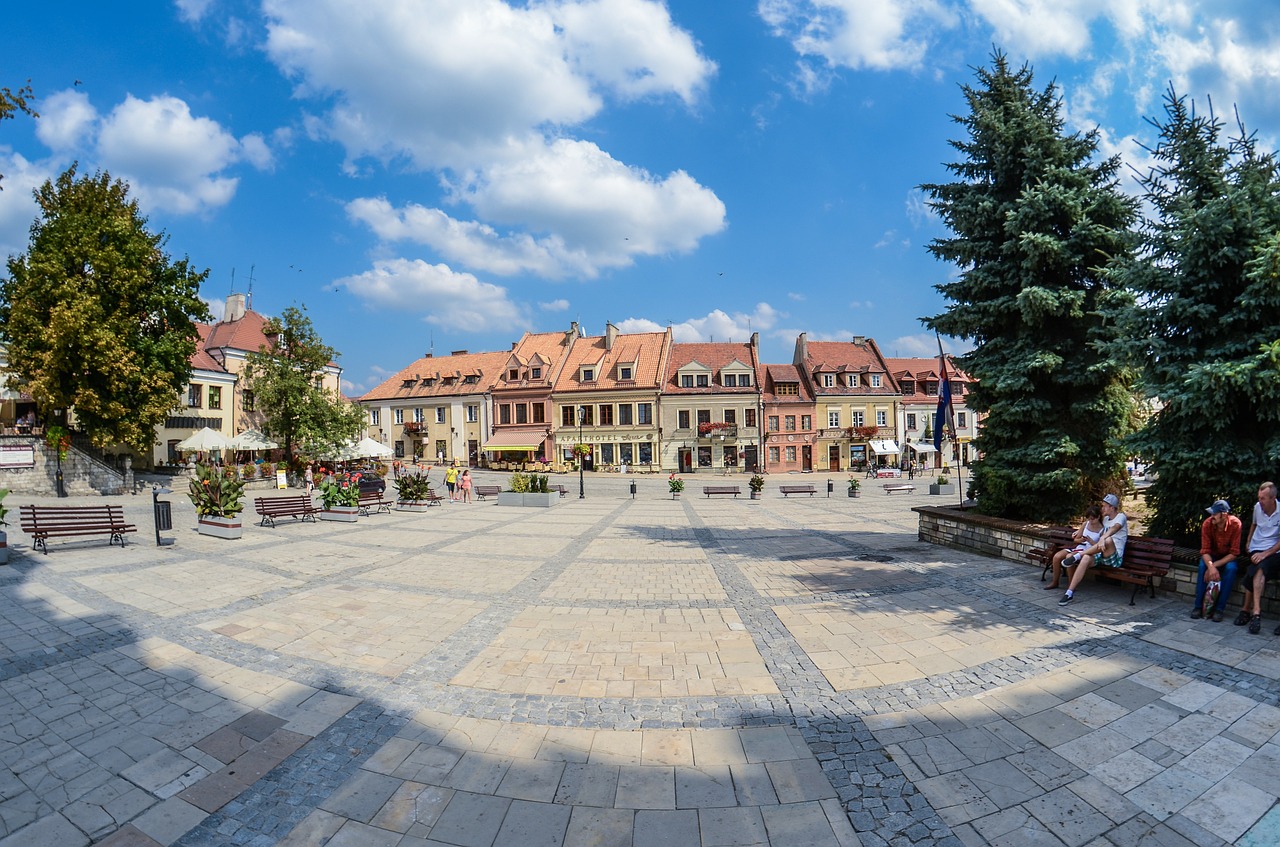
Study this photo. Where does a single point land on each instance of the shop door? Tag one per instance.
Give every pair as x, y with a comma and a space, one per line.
833, 457
686, 460
752, 459
806, 457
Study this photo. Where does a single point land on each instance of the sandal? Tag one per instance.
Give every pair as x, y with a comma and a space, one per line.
1053, 587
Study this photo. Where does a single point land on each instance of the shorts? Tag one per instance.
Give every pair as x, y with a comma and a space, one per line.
1104, 561
1270, 569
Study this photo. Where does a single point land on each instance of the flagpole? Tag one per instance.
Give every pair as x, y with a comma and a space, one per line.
950, 410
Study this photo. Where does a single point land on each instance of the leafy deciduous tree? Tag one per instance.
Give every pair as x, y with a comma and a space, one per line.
285, 379
1208, 335
12, 102
97, 316
1034, 218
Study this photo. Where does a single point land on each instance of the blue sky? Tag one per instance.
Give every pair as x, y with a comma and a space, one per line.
449, 173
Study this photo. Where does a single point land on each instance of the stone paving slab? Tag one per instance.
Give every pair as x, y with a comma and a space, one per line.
615, 671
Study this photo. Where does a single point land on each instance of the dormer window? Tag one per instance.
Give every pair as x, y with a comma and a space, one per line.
471, 379
828, 380
408, 383
513, 375
535, 373
686, 380
875, 380
852, 379
588, 374
704, 381
429, 381
625, 372
908, 387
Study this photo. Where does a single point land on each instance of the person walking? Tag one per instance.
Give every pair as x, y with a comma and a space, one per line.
464, 485
451, 481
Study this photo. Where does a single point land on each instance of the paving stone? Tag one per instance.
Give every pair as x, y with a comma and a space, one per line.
676, 828
530, 824
641, 787
594, 827
471, 820
362, 796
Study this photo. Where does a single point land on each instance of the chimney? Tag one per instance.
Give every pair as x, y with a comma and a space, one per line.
235, 308
427, 355
458, 353
860, 340
610, 335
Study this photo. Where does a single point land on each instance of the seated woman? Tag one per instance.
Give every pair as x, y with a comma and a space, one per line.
1087, 534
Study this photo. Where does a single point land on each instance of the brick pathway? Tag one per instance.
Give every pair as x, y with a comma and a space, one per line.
611, 671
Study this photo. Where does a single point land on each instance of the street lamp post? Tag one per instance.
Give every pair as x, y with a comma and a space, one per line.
582, 417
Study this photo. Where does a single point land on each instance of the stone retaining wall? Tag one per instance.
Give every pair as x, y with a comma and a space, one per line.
81, 474
954, 526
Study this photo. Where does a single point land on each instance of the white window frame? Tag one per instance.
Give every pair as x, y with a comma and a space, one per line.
439, 414
397, 415
828, 380
875, 380
375, 418
833, 418
882, 418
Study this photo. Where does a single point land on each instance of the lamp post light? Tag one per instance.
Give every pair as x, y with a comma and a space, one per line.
582, 417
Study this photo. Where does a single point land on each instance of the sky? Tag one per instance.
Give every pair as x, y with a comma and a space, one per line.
440, 175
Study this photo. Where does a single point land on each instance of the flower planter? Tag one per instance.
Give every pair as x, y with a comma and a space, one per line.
219, 527
949, 488
4, 547
510, 498
541, 500
755, 495
412, 505
675, 495
343, 514
853, 492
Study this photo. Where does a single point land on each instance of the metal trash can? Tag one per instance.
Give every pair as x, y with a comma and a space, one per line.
163, 513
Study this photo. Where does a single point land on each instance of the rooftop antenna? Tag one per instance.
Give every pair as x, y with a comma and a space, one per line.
432, 351
233, 281
248, 297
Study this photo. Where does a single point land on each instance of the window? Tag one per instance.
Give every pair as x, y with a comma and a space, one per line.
470, 379
248, 401
473, 413
908, 386
539, 412
646, 453
513, 375
588, 374
859, 419
704, 457
911, 420
686, 380
957, 388
882, 418
704, 416
744, 380
399, 448
852, 380
682, 419
833, 419
398, 416
590, 415
195, 395
504, 413
624, 372
522, 413
535, 373
644, 417
806, 422
419, 415
730, 455
703, 381
606, 416
731, 416
375, 417
606, 453
875, 380
788, 388
960, 419
790, 421
791, 454
440, 414
626, 454
773, 423
828, 380
568, 417
728, 380
931, 388
749, 417
625, 417
775, 455
215, 397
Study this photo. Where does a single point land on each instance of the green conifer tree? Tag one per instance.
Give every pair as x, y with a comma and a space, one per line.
1034, 218
1208, 277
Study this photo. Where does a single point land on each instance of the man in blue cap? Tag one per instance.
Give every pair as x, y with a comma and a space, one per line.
1219, 546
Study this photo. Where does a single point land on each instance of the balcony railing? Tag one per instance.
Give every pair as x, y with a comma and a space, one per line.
414, 426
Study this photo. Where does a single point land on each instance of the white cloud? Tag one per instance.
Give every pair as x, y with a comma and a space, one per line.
716, 326
487, 94
876, 34
446, 297
796, 296
192, 11
555, 305
17, 208
862, 304
217, 307
67, 120
924, 345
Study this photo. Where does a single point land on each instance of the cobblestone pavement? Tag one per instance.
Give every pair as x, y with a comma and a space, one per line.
611, 671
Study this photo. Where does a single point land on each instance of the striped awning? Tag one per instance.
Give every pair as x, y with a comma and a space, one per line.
513, 441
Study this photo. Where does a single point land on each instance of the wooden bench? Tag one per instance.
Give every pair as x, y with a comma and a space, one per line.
372, 499
1145, 559
904, 487
797, 489
1053, 539
559, 488
270, 508
45, 522
708, 490
483, 491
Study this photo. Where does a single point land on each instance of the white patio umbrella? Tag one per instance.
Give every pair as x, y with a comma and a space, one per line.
367, 448
205, 440
251, 439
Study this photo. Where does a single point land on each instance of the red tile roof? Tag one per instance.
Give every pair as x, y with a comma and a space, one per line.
201, 360
442, 376
845, 357
715, 356
646, 351
920, 370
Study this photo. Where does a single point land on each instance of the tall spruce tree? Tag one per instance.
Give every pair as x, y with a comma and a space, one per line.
1208, 278
1034, 220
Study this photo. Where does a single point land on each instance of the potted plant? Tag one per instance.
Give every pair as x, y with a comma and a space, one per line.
756, 484
675, 484
341, 497
942, 485
855, 487
4, 537
219, 500
413, 492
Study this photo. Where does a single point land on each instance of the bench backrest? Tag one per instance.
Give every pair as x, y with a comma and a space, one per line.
33, 515
291, 502
1148, 553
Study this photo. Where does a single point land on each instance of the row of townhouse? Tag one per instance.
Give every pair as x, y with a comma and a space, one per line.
642, 401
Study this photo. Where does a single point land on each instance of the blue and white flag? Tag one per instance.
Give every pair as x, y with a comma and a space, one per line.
943, 416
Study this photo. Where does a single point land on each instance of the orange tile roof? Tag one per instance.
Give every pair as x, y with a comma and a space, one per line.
771, 375
647, 351
920, 370
847, 357
550, 348
714, 355
243, 334
201, 360
411, 382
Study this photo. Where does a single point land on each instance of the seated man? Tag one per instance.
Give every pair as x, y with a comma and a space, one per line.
1264, 557
1088, 533
1219, 546
1106, 552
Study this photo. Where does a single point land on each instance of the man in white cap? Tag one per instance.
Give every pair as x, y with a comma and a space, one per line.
1263, 561
1219, 546
1108, 552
